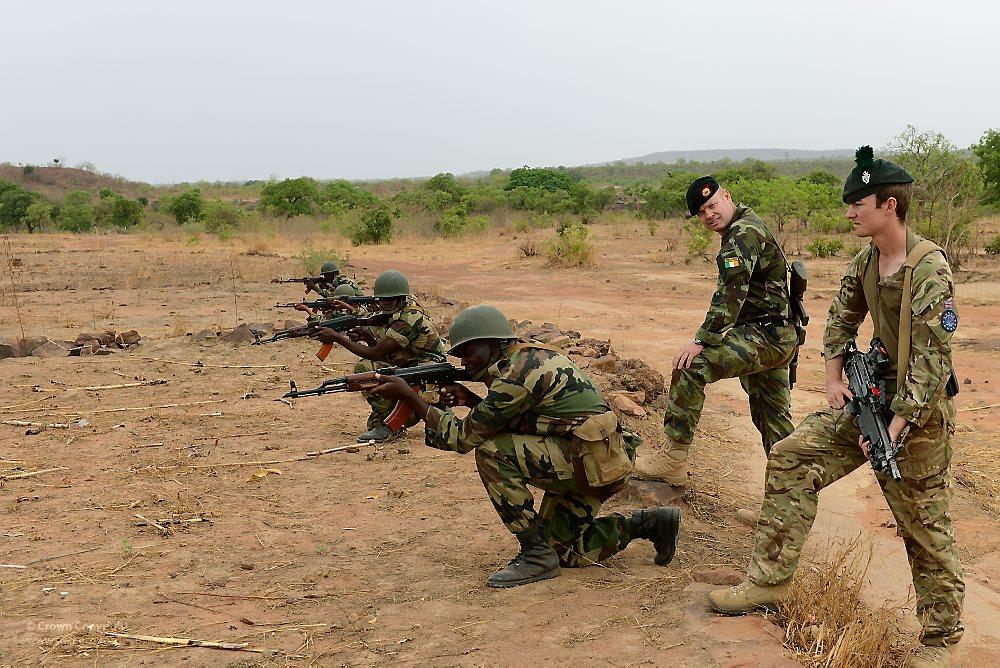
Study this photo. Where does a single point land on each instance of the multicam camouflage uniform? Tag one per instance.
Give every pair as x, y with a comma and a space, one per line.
419, 343
746, 334
825, 446
544, 423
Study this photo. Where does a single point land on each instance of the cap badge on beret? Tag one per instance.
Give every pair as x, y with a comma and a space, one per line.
706, 191
865, 177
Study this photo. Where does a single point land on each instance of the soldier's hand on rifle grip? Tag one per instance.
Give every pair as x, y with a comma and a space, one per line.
327, 335
865, 445
391, 387
344, 306
302, 307
458, 395
838, 393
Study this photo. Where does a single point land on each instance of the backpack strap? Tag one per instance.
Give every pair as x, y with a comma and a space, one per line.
913, 258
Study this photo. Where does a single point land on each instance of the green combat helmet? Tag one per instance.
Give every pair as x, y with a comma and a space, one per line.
391, 284
346, 290
478, 322
329, 267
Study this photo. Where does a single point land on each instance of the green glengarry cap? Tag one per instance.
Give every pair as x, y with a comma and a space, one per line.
869, 175
391, 284
478, 322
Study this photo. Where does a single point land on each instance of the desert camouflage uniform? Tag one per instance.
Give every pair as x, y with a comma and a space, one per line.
825, 446
746, 334
527, 431
419, 343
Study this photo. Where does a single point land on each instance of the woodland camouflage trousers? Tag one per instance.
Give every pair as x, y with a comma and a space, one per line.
758, 355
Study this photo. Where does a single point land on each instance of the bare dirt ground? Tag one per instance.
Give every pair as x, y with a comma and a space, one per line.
381, 556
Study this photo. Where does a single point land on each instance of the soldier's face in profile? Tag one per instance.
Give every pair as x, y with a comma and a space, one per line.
868, 218
476, 355
717, 213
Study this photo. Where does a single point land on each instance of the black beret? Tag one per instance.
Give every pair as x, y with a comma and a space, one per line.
700, 191
869, 175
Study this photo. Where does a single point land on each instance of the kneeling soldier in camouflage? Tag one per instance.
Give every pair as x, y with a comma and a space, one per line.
746, 334
906, 285
543, 423
408, 339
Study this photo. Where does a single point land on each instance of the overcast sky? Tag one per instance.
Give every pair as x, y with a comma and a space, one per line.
175, 91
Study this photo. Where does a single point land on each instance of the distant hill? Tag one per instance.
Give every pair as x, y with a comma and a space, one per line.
55, 182
738, 154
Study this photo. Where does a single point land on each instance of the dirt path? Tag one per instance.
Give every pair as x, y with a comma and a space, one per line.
375, 557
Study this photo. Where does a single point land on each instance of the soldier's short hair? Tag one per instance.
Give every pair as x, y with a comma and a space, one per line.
901, 192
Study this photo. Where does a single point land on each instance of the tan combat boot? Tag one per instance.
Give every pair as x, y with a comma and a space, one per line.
931, 657
747, 516
667, 465
747, 597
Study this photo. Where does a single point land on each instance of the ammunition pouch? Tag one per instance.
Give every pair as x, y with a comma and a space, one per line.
603, 451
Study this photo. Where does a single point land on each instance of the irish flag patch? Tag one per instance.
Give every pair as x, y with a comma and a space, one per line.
731, 262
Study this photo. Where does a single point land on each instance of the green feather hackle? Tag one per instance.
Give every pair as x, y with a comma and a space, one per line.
864, 156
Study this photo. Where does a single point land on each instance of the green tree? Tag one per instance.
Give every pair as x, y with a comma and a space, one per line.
291, 197
37, 216
375, 226
219, 215
189, 205
540, 177
341, 195
125, 212
988, 152
445, 182
946, 188
76, 213
14, 203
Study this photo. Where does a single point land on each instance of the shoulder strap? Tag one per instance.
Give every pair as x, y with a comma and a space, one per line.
869, 284
913, 258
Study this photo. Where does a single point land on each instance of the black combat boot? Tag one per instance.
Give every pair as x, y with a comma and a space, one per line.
536, 561
659, 525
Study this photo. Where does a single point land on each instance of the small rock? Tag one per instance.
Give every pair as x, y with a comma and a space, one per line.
261, 327
242, 334
51, 349
722, 575
558, 341
8, 350
206, 333
967, 381
606, 363
627, 406
247, 566
293, 324
87, 348
589, 352
28, 345
129, 338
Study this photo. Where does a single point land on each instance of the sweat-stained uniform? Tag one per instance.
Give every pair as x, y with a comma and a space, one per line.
419, 343
544, 423
824, 448
746, 334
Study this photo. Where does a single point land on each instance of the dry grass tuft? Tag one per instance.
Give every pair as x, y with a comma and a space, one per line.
828, 624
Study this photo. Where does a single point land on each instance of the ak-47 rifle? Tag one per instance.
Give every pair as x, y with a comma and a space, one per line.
341, 323
440, 373
327, 303
797, 282
865, 379
308, 280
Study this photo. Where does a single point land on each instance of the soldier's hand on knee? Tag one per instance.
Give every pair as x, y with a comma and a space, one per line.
838, 393
687, 353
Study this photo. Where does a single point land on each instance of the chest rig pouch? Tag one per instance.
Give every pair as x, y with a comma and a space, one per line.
602, 450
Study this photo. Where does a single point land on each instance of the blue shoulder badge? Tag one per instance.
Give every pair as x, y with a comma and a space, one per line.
949, 319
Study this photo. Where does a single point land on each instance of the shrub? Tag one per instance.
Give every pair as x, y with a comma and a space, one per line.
571, 247
457, 223
653, 226
698, 239
993, 246
825, 247
189, 205
76, 213
528, 247
28, 171
375, 226
218, 214
37, 216
14, 203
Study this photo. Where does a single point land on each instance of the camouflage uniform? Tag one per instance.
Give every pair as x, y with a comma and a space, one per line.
335, 283
825, 446
537, 426
746, 334
419, 343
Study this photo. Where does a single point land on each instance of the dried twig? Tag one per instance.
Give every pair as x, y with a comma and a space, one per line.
218, 366
164, 530
978, 408
31, 474
94, 388
60, 556
150, 408
17, 566
43, 425
238, 596
189, 642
